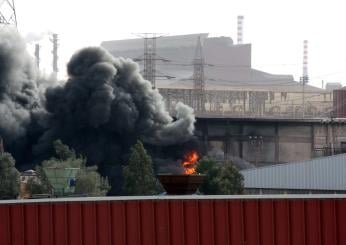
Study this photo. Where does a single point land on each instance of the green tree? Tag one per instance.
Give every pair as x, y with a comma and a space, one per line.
63, 152
220, 179
9, 176
88, 180
139, 178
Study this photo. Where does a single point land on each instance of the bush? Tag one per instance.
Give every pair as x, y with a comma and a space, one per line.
220, 179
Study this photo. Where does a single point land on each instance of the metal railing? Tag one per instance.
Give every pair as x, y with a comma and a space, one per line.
328, 151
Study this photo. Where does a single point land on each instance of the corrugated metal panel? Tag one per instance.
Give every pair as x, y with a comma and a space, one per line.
173, 221
339, 103
327, 173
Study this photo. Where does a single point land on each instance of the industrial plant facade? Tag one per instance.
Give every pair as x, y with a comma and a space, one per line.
248, 114
270, 141
232, 86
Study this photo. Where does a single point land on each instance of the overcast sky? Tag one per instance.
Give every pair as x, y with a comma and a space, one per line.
275, 28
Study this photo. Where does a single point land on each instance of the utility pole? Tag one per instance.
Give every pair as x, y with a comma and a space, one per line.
150, 57
199, 78
8, 13
55, 41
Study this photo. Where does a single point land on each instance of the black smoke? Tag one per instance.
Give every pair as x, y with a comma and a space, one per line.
100, 111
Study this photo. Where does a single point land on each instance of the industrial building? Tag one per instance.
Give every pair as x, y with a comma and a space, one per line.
232, 87
241, 112
321, 175
270, 141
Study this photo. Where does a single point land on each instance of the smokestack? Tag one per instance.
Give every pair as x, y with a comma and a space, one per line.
305, 59
37, 54
240, 29
55, 53
304, 79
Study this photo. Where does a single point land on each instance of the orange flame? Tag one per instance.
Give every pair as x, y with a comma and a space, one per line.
189, 162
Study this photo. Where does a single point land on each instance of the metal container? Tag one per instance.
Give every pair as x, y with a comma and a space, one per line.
181, 184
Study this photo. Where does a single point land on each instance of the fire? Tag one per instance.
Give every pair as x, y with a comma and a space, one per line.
189, 162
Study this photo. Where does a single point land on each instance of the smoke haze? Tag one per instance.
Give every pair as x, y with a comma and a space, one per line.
100, 111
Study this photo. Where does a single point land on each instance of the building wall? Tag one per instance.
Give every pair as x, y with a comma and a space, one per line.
282, 141
254, 102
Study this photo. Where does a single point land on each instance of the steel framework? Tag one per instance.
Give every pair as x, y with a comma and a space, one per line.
8, 13
199, 78
150, 57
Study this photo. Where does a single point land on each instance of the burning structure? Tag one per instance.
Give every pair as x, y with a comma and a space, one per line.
186, 183
100, 111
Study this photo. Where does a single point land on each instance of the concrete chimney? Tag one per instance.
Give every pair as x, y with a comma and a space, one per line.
305, 59
240, 29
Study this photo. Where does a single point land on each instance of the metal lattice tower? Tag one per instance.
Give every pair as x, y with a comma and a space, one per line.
55, 53
199, 78
150, 58
8, 13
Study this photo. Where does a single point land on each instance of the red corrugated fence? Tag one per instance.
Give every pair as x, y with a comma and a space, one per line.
160, 221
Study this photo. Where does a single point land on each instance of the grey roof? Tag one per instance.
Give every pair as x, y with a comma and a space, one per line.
326, 173
228, 65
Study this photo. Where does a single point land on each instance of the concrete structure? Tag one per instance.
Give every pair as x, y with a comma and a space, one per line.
232, 86
270, 141
248, 114
321, 175
333, 86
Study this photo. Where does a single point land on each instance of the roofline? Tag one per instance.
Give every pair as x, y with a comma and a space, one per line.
163, 37
261, 119
184, 197
292, 163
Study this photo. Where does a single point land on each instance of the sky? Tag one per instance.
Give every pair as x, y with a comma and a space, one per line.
275, 28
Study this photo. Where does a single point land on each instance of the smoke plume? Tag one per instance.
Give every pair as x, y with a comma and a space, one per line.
19, 99
100, 111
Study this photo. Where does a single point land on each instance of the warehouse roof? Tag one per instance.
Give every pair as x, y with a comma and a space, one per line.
326, 173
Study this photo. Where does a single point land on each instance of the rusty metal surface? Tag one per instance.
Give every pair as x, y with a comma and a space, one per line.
317, 220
